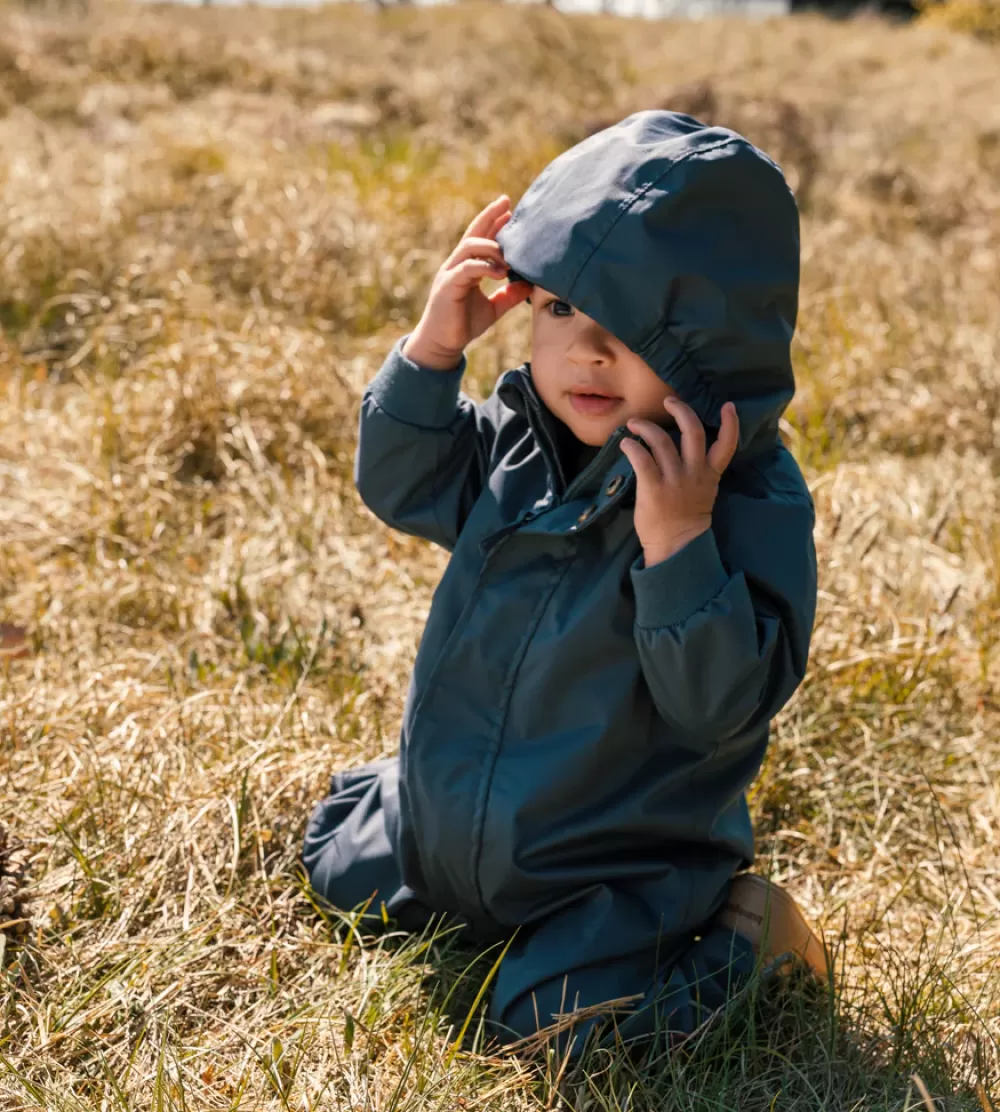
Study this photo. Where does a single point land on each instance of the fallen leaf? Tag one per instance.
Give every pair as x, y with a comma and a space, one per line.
13, 642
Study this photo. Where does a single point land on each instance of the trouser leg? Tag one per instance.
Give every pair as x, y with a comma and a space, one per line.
348, 852
607, 946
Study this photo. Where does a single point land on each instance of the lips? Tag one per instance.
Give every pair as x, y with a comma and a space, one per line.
593, 404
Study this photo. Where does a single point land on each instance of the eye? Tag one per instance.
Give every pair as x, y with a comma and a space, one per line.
559, 308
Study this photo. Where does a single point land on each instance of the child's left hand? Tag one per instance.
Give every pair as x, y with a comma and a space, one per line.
675, 491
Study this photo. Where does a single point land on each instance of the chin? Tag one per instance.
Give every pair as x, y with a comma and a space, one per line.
592, 437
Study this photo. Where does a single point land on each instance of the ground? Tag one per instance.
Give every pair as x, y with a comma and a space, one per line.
213, 225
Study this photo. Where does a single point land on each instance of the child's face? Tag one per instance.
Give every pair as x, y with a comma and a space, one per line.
586, 376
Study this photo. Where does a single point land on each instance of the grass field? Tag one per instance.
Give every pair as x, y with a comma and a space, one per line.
213, 224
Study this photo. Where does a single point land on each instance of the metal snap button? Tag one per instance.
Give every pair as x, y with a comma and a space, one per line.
614, 486
586, 513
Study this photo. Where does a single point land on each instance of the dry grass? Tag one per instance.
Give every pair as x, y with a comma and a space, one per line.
212, 226
977, 17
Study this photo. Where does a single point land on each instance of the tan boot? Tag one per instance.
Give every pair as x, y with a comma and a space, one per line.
767, 915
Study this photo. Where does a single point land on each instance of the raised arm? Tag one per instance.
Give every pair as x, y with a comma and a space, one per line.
725, 592
423, 446
723, 625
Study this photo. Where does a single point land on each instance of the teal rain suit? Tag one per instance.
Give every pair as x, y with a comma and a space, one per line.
580, 729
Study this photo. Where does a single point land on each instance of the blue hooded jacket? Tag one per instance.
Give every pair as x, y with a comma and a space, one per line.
581, 727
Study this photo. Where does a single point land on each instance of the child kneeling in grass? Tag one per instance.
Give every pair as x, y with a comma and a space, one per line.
629, 599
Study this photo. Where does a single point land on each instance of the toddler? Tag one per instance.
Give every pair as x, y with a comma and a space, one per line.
630, 595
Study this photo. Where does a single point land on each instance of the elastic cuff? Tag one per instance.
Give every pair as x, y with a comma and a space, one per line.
418, 395
672, 590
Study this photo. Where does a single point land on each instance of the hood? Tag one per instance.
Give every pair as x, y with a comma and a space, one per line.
683, 241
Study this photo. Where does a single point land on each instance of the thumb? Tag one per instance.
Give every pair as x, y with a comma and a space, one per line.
507, 297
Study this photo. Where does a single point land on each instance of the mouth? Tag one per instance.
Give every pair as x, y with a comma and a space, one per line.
592, 403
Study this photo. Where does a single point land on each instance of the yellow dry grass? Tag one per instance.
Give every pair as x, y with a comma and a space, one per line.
977, 17
213, 224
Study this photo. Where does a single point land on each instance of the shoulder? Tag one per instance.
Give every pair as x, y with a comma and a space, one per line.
764, 520
773, 476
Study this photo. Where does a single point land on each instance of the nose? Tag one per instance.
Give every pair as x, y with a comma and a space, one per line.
590, 345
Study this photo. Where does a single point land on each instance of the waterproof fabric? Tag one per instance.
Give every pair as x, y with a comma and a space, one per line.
580, 729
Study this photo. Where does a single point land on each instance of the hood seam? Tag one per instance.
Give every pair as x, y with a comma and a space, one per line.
663, 325
623, 208
704, 377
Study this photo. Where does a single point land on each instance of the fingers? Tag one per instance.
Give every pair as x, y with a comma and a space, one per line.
692, 430
476, 247
660, 445
693, 439
646, 471
482, 223
508, 296
721, 453
502, 219
472, 271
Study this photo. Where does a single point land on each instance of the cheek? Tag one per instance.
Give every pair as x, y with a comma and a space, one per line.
648, 396
543, 376
645, 389
545, 364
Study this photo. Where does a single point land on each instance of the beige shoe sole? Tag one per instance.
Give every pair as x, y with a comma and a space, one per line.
767, 915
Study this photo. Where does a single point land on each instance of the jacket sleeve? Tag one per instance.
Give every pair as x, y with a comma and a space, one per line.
723, 626
424, 448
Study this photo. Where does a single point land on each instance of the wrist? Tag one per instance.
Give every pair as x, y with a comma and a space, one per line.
675, 589
419, 350
664, 547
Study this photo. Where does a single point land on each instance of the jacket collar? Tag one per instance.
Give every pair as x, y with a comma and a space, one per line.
516, 390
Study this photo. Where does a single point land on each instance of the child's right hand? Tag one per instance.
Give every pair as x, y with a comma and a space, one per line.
457, 311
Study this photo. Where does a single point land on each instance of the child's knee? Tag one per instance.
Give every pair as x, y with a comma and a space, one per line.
642, 1004
346, 851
